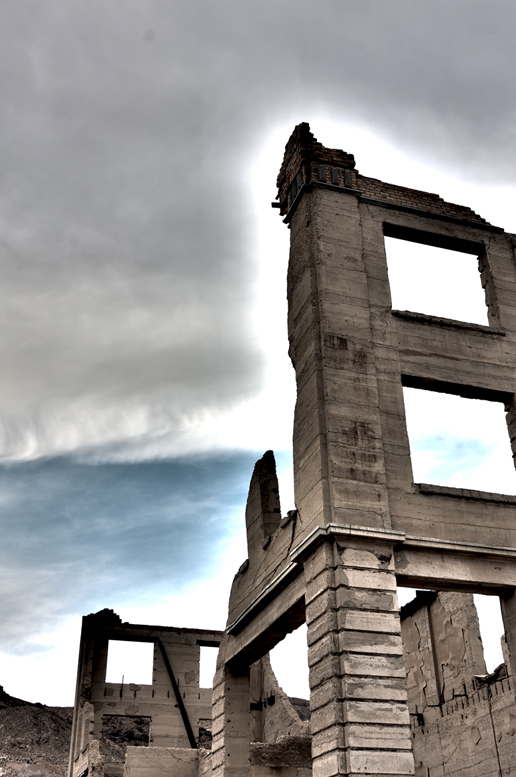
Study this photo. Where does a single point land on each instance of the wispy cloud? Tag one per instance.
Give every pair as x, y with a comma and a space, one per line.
87, 537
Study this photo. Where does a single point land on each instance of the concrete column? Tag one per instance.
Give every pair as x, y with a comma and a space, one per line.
256, 695
508, 606
360, 718
231, 726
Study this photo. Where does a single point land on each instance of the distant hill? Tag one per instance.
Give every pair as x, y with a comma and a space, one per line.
35, 738
35, 735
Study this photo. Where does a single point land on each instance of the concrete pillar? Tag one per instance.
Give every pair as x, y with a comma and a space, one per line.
256, 696
360, 718
508, 606
231, 725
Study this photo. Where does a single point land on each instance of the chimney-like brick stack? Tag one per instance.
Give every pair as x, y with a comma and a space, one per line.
307, 163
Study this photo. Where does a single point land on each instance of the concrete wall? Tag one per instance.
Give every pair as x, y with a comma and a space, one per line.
462, 725
443, 650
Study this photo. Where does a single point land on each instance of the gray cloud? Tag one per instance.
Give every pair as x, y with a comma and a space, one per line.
127, 252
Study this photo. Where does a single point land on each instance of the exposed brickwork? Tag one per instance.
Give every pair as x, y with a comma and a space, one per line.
305, 155
303, 152
413, 198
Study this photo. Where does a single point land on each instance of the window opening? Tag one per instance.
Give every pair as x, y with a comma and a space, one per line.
132, 661
435, 281
431, 628
207, 666
289, 661
491, 629
118, 731
459, 442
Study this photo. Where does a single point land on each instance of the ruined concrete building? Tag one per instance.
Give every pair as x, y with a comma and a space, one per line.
388, 695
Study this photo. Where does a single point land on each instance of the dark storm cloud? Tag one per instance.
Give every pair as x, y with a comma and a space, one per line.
76, 538
126, 142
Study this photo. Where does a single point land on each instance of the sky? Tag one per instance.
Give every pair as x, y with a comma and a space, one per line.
143, 315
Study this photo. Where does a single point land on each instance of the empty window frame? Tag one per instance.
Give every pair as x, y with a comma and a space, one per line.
208, 664
490, 628
435, 274
119, 731
130, 662
459, 442
289, 661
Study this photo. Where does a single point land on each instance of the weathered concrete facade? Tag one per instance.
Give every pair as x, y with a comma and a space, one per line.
361, 525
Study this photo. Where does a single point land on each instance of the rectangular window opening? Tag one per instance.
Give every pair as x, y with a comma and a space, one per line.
207, 666
459, 442
289, 661
492, 630
436, 280
130, 662
119, 731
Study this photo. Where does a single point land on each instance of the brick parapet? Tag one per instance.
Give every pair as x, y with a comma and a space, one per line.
414, 198
306, 161
479, 696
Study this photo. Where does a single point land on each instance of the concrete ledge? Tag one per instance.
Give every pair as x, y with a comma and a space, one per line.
330, 531
424, 318
465, 493
431, 543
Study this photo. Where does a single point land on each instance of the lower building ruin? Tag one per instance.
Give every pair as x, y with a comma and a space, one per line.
388, 695
175, 706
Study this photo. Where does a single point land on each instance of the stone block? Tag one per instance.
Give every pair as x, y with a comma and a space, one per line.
319, 561
326, 669
375, 688
326, 623
365, 578
330, 715
325, 693
375, 601
330, 764
380, 763
157, 761
372, 666
377, 737
328, 739
367, 559
377, 712
321, 604
379, 622
370, 642
325, 580
326, 646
